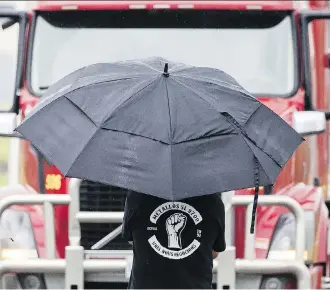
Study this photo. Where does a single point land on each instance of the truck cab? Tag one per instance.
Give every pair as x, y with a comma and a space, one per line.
277, 50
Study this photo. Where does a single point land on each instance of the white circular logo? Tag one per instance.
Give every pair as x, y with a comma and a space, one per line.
176, 225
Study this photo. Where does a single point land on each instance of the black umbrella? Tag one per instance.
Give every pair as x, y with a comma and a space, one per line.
166, 129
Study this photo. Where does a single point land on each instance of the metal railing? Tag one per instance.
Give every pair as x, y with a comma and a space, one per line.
225, 281
48, 201
75, 264
268, 200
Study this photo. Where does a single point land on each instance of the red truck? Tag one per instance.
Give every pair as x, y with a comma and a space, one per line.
278, 50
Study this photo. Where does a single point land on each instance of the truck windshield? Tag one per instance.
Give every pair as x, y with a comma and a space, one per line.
256, 48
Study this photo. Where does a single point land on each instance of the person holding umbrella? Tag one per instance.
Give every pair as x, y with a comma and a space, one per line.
173, 133
174, 243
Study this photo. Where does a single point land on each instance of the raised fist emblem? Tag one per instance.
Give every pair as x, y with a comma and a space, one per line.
175, 224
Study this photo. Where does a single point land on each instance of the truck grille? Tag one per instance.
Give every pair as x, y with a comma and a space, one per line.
99, 197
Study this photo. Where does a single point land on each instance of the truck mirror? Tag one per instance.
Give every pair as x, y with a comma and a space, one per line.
306, 18
7, 123
12, 33
309, 122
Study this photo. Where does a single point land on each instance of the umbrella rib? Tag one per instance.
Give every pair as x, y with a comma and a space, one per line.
187, 87
173, 69
233, 121
230, 86
83, 148
170, 137
65, 96
133, 134
263, 169
148, 66
204, 137
212, 79
100, 82
80, 110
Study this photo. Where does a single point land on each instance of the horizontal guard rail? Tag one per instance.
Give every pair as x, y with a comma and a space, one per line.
99, 217
90, 266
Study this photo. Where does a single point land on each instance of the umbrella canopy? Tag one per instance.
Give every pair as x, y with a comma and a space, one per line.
161, 128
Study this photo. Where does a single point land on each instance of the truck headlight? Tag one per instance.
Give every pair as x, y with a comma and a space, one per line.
283, 241
31, 281
282, 247
17, 240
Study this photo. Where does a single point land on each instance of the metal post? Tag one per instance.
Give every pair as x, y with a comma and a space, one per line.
226, 271
229, 217
14, 156
292, 205
249, 238
74, 274
49, 230
74, 271
74, 225
13, 162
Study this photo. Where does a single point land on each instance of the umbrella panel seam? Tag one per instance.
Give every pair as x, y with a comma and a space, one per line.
89, 85
59, 93
244, 133
253, 113
80, 109
84, 147
97, 83
167, 143
212, 106
125, 101
69, 92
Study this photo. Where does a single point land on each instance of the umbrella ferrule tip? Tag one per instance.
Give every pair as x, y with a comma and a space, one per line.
165, 72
